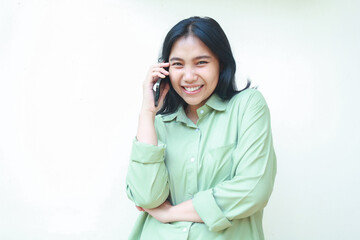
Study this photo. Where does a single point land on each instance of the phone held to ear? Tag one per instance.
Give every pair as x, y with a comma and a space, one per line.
157, 87
157, 91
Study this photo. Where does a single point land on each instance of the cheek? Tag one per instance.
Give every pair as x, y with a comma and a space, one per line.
173, 82
174, 77
211, 78
214, 77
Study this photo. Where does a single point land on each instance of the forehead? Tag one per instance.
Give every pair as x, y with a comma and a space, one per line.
189, 46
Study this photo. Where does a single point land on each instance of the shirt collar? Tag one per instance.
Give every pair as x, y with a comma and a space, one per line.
214, 102
178, 114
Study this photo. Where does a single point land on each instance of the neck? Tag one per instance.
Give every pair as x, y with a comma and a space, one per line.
191, 113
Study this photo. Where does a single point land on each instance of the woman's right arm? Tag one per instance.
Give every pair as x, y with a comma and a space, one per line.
146, 129
147, 177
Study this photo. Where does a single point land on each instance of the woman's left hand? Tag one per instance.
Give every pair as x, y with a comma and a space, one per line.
161, 213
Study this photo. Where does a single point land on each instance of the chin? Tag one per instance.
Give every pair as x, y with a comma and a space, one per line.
193, 103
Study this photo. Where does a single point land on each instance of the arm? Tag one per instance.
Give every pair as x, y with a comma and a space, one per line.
184, 211
146, 130
147, 182
249, 190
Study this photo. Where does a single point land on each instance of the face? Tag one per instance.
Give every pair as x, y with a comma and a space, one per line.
194, 71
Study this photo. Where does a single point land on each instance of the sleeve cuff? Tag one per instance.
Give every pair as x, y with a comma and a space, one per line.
147, 153
208, 210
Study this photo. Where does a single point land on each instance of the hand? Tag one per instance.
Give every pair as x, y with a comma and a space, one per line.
162, 213
155, 72
140, 208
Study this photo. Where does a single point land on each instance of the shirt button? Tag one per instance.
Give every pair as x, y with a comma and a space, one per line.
201, 111
197, 129
192, 159
185, 229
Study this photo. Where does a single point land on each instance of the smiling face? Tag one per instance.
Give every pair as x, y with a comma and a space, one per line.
194, 71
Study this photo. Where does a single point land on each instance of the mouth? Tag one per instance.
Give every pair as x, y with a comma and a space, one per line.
192, 90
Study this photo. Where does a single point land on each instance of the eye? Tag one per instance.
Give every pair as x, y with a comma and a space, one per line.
176, 64
202, 62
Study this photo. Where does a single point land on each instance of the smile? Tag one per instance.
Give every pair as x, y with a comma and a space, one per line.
192, 90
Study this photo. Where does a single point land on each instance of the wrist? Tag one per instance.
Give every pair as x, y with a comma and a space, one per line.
184, 211
172, 214
146, 113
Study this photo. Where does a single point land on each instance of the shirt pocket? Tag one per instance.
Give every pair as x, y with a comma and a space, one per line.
216, 165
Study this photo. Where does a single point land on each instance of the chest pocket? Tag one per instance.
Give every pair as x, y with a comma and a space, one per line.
216, 166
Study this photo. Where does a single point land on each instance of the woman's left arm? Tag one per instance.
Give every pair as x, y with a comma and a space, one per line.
248, 191
255, 168
166, 213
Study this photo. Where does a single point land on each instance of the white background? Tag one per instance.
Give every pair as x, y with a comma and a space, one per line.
70, 92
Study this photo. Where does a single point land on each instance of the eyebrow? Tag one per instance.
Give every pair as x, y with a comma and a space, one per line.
195, 58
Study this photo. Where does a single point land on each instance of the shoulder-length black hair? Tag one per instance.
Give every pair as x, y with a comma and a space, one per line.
212, 35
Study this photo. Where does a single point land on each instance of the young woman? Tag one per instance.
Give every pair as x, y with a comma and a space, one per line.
202, 164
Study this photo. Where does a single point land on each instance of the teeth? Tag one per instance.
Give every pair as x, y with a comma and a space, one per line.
191, 89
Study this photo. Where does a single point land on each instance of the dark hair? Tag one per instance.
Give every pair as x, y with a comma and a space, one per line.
212, 35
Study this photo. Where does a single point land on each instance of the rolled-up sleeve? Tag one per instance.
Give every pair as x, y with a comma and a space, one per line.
147, 178
249, 190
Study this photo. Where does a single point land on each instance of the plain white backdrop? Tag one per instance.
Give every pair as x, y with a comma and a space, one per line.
70, 93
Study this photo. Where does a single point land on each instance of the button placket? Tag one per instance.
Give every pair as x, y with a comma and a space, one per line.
191, 159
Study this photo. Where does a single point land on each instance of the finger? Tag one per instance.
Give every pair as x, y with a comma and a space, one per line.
162, 70
157, 74
163, 64
140, 208
160, 65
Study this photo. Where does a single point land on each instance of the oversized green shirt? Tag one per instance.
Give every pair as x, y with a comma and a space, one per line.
225, 163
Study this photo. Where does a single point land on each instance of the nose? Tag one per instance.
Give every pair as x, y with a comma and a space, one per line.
189, 75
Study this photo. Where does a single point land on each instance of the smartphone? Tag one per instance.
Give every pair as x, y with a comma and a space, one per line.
157, 91
157, 87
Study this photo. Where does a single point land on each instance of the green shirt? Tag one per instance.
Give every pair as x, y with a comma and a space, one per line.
225, 163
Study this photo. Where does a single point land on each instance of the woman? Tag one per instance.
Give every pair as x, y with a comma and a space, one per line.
204, 166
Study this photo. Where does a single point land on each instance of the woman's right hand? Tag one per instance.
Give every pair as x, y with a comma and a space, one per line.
155, 72
146, 130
